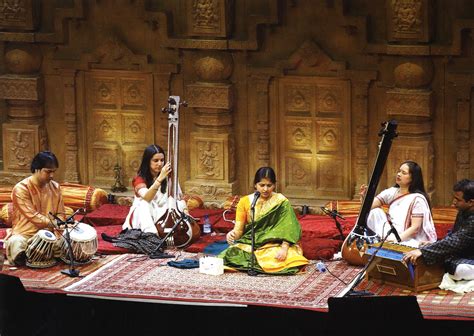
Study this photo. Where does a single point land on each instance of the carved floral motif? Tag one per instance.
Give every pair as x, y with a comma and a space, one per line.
217, 96
20, 88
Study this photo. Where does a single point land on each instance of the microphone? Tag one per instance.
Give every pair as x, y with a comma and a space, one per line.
332, 213
394, 231
321, 267
256, 195
68, 220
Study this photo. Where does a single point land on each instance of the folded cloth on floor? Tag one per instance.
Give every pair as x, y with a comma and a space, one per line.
185, 263
216, 247
458, 286
136, 241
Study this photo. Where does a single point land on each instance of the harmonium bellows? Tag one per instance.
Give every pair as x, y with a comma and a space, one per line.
388, 267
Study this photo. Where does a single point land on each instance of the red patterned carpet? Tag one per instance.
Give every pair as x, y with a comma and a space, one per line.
51, 279
152, 279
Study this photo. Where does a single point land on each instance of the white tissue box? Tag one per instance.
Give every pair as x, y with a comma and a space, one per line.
211, 265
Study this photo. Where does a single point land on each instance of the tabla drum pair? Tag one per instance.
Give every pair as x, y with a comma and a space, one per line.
41, 250
84, 244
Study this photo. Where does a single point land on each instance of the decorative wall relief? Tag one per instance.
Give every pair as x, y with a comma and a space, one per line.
24, 133
19, 14
20, 145
119, 121
209, 154
313, 117
409, 20
209, 17
411, 104
212, 143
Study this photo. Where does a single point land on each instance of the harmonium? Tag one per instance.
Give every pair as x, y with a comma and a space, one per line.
388, 267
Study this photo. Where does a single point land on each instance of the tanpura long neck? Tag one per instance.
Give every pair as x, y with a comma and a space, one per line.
173, 158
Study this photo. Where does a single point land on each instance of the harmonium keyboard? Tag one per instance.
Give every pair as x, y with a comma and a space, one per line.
388, 267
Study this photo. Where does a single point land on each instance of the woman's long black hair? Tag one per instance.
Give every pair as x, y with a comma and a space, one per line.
417, 185
144, 170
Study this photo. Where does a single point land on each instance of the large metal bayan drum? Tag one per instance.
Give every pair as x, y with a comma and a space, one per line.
40, 251
83, 243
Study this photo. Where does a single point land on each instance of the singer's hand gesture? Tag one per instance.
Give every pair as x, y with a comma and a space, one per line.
232, 236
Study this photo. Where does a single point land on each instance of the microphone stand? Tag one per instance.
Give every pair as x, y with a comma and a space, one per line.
158, 252
71, 271
351, 292
338, 225
252, 270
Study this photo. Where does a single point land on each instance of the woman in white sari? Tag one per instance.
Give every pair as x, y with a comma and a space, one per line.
151, 196
409, 208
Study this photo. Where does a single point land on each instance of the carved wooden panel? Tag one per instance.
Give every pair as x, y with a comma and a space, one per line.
314, 137
211, 153
20, 144
409, 20
119, 110
419, 150
208, 17
19, 14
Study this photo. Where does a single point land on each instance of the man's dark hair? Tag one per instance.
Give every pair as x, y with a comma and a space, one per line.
467, 188
44, 159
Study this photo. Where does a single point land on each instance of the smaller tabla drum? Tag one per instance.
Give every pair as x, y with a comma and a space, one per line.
40, 251
83, 243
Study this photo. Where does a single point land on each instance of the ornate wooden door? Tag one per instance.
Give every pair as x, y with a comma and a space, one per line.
314, 137
119, 112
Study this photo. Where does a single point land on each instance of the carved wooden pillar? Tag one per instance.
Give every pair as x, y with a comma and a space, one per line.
212, 142
463, 84
24, 133
411, 103
258, 102
71, 173
162, 92
360, 132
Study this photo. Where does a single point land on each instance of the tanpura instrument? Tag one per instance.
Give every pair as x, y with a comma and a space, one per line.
186, 230
361, 236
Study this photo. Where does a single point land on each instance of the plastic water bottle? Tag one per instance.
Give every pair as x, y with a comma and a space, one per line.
206, 227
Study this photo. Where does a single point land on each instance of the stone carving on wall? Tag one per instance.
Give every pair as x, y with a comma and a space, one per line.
329, 135
119, 120
310, 58
299, 97
300, 135
19, 14
133, 95
204, 95
328, 99
412, 105
409, 20
20, 88
209, 153
208, 17
103, 162
314, 118
406, 102
20, 146
105, 92
212, 143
